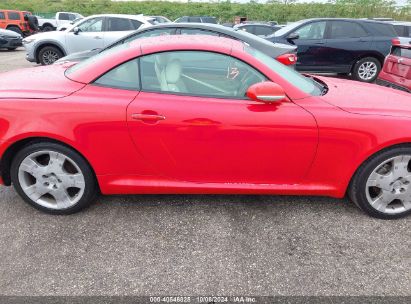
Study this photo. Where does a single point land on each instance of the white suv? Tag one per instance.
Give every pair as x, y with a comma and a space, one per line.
90, 33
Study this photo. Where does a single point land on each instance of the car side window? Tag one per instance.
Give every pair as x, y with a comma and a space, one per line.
194, 19
189, 31
2, 15
151, 33
197, 73
382, 29
135, 24
182, 19
119, 25
247, 28
124, 77
263, 30
401, 30
92, 25
314, 30
13, 15
344, 29
64, 16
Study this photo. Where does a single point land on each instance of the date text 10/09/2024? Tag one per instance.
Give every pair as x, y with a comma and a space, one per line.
202, 299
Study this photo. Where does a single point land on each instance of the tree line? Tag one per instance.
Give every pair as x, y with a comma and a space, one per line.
274, 10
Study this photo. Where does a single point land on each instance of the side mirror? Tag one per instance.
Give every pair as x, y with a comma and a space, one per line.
267, 92
76, 30
293, 36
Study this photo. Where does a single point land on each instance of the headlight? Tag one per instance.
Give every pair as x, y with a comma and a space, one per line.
28, 40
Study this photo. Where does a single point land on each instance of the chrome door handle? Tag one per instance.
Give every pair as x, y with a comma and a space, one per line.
147, 117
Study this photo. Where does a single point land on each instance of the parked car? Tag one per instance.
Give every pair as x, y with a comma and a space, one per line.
403, 30
197, 19
259, 29
61, 18
10, 40
396, 72
346, 46
147, 117
14, 21
284, 53
92, 32
64, 26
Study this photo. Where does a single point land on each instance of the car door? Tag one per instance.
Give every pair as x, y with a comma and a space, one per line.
346, 42
311, 46
87, 35
117, 28
191, 122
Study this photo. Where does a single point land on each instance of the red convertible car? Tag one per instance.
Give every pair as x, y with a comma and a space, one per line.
197, 114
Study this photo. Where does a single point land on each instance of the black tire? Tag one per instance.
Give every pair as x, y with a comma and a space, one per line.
90, 189
47, 28
49, 54
16, 30
12, 48
358, 191
356, 72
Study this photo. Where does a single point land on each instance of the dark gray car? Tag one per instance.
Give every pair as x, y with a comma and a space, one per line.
271, 49
10, 40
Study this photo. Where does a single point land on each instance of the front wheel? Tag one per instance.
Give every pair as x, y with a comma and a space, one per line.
366, 69
53, 178
382, 185
49, 55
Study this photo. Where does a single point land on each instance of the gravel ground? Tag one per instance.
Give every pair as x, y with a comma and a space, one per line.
200, 245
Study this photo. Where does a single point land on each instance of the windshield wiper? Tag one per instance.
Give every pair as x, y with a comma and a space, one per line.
322, 86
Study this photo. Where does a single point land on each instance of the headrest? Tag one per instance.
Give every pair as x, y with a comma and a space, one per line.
173, 71
161, 59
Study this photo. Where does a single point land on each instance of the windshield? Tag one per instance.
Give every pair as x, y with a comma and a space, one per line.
96, 58
305, 84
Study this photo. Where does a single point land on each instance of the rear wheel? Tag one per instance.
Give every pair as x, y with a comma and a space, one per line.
53, 178
49, 55
47, 28
366, 69
382, 185
12, 48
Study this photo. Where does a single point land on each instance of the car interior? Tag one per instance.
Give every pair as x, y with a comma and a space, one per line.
194, 73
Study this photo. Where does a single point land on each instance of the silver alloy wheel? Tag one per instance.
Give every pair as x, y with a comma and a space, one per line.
51, 179
50, 57
367, 70
388, 188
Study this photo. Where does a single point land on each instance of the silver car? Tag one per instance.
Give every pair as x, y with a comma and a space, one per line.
96, 31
